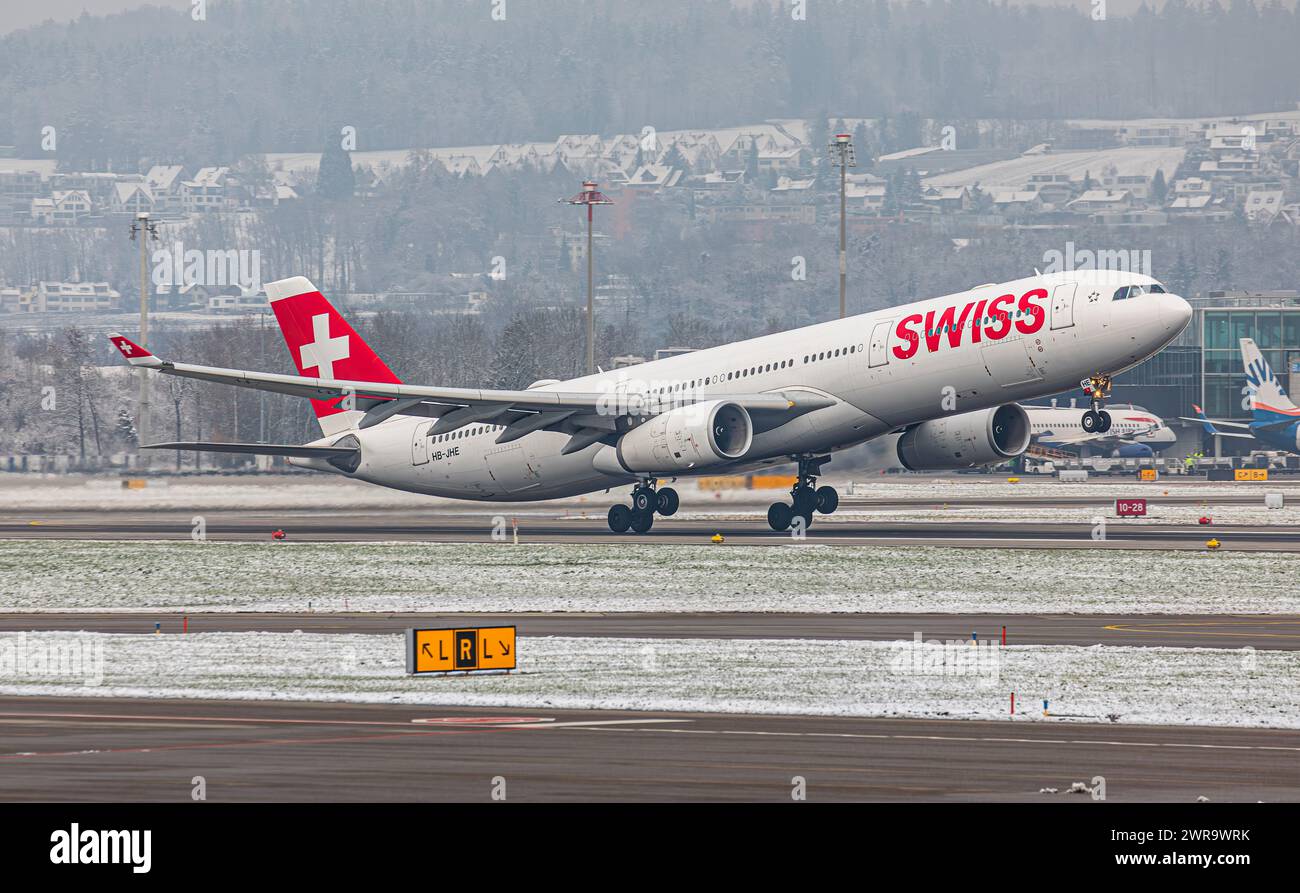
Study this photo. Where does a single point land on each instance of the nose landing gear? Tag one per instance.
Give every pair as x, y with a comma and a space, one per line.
647, 499
805, 497
1097, 388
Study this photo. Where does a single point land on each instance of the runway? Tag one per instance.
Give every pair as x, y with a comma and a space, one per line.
414, 526
1263, 632
144, 750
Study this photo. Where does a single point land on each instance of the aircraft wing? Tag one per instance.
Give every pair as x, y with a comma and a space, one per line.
589, 416
1211, 426
1202, 421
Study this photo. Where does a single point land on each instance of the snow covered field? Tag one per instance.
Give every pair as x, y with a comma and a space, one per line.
1124, 684
54, 575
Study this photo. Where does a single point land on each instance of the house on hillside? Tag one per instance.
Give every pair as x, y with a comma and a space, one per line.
210, 190
164, 184
1095, 200
131, 198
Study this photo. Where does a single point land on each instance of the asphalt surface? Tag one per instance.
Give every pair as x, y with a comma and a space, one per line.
121, 750
1263, 632
405, 525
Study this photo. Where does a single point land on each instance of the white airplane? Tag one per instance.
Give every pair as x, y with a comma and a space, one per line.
945, 372
1133, 432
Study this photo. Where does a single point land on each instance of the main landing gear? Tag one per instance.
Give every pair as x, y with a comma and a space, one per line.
805, 497
1097, 388
646, 501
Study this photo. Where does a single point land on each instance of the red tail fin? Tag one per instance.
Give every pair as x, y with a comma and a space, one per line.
323, 344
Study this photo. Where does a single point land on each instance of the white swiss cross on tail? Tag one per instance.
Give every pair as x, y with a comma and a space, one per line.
132, 352
324, 351
325, 346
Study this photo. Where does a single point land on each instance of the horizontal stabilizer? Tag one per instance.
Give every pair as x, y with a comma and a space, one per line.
259, 449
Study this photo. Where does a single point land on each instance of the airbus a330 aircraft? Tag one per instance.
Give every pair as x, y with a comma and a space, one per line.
1275, 420
945, 372
1133, 433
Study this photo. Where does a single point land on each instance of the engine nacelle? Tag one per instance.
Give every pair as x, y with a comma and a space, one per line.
687, 437
984, 437
1132, 451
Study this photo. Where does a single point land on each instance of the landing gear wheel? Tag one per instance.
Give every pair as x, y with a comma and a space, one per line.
827, 500
1091, 421
1104, 416
806, 498
805, 501
644, 500
779, 516
642, 521
620, 518
668, 502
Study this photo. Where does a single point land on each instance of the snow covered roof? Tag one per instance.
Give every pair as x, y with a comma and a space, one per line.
124, 192
654, 175
163, 177
209, 176
868, 190
1094, 196
786, 184
1014, 196
1190, 202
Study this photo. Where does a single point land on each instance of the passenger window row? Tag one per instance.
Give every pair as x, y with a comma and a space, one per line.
830, 354
468, 432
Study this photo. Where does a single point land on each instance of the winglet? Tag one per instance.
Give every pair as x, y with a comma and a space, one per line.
132, 352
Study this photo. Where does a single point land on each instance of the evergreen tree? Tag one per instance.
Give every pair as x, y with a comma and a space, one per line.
862, 147
1159, 188
675, 159
335, 180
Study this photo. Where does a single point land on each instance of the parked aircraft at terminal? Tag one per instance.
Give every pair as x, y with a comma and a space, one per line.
1134, 432
946, 373
1275, 419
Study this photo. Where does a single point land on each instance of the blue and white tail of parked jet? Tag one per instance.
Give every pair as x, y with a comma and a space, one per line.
1275, 419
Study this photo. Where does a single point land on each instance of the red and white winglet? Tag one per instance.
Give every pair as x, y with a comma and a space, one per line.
134, 353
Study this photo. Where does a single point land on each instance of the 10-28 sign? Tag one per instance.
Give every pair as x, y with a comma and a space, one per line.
1131, 508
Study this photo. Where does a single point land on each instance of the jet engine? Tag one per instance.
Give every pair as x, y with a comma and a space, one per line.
1132, 451
984, 437
687, 437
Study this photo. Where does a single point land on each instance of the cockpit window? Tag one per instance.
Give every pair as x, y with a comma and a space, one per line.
1133, 291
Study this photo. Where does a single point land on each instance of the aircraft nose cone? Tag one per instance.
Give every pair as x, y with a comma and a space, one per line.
1175, 313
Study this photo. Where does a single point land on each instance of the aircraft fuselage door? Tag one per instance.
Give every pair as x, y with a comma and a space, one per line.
876, 354
1063, 305
420, 444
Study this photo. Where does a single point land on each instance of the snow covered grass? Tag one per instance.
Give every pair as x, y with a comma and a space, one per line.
56, 575
1126, 684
